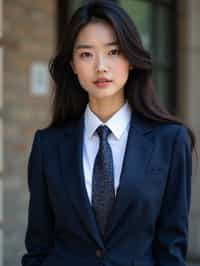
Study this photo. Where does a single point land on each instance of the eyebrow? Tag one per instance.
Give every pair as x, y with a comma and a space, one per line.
87, 46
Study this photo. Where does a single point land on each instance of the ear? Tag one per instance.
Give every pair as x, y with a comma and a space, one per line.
73, 66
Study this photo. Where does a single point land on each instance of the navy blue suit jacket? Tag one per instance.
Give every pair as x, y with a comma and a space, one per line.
149, 221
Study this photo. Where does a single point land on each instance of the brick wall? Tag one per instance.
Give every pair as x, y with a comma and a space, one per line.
29, 33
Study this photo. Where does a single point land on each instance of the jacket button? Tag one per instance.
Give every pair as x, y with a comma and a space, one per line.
98, 253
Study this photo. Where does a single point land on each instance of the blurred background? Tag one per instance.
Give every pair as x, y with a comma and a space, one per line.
29, 34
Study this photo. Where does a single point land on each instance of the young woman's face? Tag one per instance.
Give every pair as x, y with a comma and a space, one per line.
101, 68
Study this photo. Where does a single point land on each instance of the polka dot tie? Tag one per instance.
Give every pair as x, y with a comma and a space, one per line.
103, 194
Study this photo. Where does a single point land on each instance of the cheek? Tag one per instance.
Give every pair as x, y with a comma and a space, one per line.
84, 76
122, 71
83, 72
84, 67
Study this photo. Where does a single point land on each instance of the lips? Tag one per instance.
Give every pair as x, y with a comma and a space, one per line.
102, 80
102, 83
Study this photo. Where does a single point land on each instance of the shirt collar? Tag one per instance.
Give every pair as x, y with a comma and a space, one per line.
117, 123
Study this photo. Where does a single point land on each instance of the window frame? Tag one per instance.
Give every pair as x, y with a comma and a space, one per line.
171, 101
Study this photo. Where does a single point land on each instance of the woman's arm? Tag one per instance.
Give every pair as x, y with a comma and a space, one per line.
39, 235
172, 228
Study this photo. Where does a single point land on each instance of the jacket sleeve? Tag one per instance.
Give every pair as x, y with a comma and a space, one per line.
171, 238
39, 235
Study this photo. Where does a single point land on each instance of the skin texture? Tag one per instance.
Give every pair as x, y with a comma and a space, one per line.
100, 59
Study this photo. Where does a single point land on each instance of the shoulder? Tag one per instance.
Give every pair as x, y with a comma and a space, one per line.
172, 142
52, 134
172, 137
167, 132
172, 130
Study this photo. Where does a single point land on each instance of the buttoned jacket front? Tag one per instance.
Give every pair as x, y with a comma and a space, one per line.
149, 221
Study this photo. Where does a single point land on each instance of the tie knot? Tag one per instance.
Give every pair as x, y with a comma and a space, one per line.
103, 132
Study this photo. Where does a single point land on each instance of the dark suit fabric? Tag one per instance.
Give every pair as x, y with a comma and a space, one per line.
149, 221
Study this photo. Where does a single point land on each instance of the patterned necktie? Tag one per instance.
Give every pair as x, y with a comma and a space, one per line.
103, 194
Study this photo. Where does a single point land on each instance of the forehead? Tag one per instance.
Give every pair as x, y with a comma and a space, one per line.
96, 33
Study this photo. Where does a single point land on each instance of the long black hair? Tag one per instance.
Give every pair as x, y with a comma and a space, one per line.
69, 99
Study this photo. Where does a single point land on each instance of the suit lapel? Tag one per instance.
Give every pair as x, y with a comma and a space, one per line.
72, 173
137, 155
138, 152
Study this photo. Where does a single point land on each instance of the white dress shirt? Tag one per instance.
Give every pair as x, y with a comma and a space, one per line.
119, 125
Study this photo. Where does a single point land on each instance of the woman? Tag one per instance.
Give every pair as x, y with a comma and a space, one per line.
110, 178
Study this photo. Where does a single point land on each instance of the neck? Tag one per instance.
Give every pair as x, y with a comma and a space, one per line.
105, 109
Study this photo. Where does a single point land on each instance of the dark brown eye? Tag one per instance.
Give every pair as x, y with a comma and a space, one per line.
114, 52
85, 54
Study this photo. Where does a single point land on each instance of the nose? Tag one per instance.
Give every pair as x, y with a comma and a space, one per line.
101, 65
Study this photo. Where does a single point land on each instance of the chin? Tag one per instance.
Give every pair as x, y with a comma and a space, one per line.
103, 96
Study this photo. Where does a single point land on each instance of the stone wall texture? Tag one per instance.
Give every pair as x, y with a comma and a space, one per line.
29, 34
